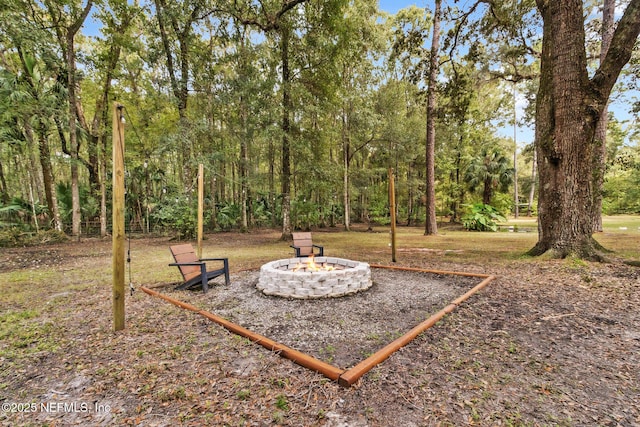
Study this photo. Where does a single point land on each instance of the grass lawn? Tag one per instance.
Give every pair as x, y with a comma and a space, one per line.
551, 342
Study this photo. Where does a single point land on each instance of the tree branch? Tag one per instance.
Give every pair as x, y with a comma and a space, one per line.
272, 22
459, 25
73, 29
361, 146
619, 53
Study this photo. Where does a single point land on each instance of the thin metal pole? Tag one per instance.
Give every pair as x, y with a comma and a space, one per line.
200, 208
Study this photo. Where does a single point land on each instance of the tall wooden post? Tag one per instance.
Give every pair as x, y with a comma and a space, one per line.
118, 231
200, 207
392, 208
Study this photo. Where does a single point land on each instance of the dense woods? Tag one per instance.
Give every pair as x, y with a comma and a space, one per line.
297, 109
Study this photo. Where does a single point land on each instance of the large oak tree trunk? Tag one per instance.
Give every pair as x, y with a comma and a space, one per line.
568, 110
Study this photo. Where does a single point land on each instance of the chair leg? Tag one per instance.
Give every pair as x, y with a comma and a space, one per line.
226, 272
203, 275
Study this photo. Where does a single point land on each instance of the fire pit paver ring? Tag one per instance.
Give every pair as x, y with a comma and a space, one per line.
286, 278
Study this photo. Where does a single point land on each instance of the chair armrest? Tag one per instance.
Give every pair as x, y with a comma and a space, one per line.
296, 249
175, 264
213, 259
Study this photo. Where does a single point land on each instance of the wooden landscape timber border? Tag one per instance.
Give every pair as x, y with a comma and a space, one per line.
347, 377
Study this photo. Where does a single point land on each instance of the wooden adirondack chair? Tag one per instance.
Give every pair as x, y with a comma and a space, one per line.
303, 245
194, 270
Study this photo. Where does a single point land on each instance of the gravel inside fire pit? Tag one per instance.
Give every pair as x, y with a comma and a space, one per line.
341, 331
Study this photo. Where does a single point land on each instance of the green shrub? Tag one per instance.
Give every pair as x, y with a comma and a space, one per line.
178, 214
228, 216
482, 218
305, 214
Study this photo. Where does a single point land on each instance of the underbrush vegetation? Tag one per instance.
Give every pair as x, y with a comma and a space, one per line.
13, 237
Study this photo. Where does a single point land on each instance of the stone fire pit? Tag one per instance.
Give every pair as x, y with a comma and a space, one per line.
318, 277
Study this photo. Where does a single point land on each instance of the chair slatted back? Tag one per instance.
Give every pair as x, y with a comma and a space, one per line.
185, 253
304, 242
